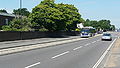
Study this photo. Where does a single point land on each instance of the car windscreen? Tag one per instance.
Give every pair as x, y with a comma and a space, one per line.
85, 30
106, 34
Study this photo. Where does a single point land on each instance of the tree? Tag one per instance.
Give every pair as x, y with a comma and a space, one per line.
101, 24
105, 24
82, 20
3, 11
71, 16
112, 27
18, 25
87, 23
55, 17
23, 12
46, 16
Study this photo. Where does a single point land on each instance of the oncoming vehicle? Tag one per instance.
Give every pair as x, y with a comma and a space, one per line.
87, 32
107, 36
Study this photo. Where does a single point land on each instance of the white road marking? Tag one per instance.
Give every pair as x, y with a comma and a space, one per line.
102, 57
33, 65
87, 44
60, 54
77, 48
94, 42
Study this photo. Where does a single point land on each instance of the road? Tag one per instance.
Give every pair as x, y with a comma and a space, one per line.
79, 54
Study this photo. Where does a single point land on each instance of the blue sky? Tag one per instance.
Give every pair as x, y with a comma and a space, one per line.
89, 9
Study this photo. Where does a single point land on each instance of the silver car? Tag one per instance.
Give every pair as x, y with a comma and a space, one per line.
107, 36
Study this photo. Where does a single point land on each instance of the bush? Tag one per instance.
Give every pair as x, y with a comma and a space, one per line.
6, 28
43, 29
77, 29
18, 25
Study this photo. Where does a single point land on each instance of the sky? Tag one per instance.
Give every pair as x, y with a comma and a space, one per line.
89, 9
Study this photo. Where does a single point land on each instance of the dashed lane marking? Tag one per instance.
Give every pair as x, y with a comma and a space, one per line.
33, 65
94, 42
77, 48
60, 54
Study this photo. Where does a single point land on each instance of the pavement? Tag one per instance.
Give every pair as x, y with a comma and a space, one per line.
78, 54
8, 44
114, 59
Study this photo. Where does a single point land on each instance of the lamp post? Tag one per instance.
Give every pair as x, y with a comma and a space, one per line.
20, 13
20, 9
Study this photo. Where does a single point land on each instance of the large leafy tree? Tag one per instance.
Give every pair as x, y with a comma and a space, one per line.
55, 17
22, 11
45, 15
3, 11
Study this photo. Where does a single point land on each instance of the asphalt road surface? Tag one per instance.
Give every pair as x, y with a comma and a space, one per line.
80, 54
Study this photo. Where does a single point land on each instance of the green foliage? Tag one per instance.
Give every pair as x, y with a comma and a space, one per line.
105, 24
55, 17
112, 27
49, 3
102, 24
70, 14
6, 28
87, 23
18, 25
82, 20
3, 11
92, 30
77, 29
23, 12
43, 29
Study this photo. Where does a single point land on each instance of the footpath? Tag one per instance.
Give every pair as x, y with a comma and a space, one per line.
9, 44
114, 59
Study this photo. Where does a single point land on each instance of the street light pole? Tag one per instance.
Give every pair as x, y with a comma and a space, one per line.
20, 8
20, 16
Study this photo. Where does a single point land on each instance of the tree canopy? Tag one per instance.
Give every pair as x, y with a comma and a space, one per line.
70, 14
22, 11
101, 24
3, 11
55, 17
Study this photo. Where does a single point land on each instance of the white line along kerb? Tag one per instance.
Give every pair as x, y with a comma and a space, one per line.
32, 65
60, 54
102, 57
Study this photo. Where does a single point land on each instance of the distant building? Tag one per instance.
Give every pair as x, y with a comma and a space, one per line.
5, 18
